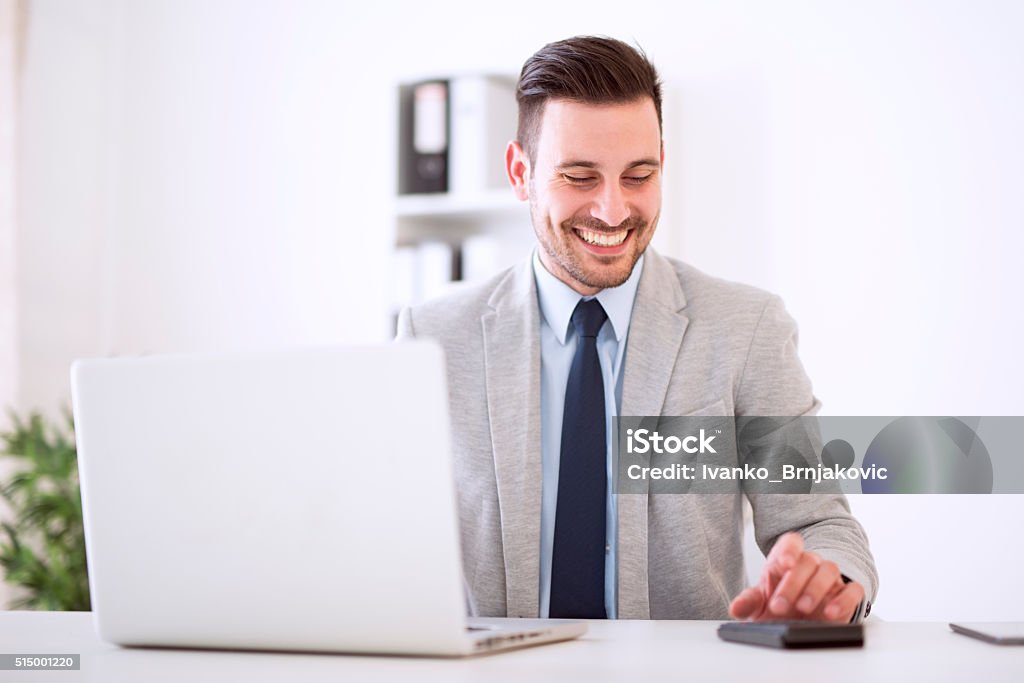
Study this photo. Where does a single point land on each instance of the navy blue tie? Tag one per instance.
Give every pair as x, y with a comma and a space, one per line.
578, 553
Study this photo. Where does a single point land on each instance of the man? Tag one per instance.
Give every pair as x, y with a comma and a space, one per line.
543, 356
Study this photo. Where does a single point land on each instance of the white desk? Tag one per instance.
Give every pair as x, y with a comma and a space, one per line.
616, 651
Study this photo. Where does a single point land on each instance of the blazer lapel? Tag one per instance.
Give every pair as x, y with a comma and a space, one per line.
512, 356
656, 331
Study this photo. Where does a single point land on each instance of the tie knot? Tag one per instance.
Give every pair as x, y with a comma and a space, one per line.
588, 317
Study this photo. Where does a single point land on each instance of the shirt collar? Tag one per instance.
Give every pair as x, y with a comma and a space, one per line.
558, 300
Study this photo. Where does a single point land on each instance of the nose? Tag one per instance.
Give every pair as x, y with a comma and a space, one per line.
610, 205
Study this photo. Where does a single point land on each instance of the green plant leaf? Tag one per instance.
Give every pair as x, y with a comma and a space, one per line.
45, 549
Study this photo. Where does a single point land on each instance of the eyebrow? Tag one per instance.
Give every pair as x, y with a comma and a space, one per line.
580, 163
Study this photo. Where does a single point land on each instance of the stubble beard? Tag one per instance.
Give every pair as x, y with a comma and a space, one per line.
563, 255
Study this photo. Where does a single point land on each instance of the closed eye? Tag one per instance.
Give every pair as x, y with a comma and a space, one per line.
586, 180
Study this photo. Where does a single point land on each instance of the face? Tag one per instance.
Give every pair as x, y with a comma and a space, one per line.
594, 189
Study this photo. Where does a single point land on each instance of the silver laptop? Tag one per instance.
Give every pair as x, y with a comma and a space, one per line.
296, 500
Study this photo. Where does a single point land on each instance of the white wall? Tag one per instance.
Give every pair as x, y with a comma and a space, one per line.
8, 300
8, 126
218, 174
61, 191
208, 195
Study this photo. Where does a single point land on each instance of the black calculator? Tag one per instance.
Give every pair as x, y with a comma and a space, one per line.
792, 634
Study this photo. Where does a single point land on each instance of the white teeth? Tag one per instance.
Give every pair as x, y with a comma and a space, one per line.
602, 238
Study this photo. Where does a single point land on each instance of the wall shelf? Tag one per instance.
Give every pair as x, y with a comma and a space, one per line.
476, 227
452, 217
444, 204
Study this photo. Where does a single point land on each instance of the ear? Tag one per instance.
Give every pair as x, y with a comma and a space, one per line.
662, 155
517, 167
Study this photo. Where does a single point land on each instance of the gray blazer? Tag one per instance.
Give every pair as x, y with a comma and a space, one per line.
696, 345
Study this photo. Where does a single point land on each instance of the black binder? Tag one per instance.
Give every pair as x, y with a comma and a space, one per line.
424, 135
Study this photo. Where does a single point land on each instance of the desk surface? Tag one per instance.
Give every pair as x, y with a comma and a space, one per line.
611, 651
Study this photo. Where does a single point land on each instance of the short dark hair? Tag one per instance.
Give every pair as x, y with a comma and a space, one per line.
586, 69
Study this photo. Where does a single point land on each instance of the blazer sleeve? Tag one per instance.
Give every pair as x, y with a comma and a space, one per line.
774, 383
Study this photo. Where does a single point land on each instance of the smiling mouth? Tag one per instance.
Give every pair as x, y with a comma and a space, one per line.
602, 239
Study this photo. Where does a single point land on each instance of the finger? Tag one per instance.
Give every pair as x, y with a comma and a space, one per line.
793, 583
748, 603
786, 551
779, 560
770, 579
840, 608
824, 582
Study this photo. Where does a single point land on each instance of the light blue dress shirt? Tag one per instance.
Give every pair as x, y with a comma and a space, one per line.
558, 338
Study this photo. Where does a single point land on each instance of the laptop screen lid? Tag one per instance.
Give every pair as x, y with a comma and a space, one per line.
272, 500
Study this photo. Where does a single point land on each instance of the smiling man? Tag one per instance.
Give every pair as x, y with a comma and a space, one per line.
597, 324
594, 206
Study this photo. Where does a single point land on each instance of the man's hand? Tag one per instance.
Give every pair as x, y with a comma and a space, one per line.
798, 584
